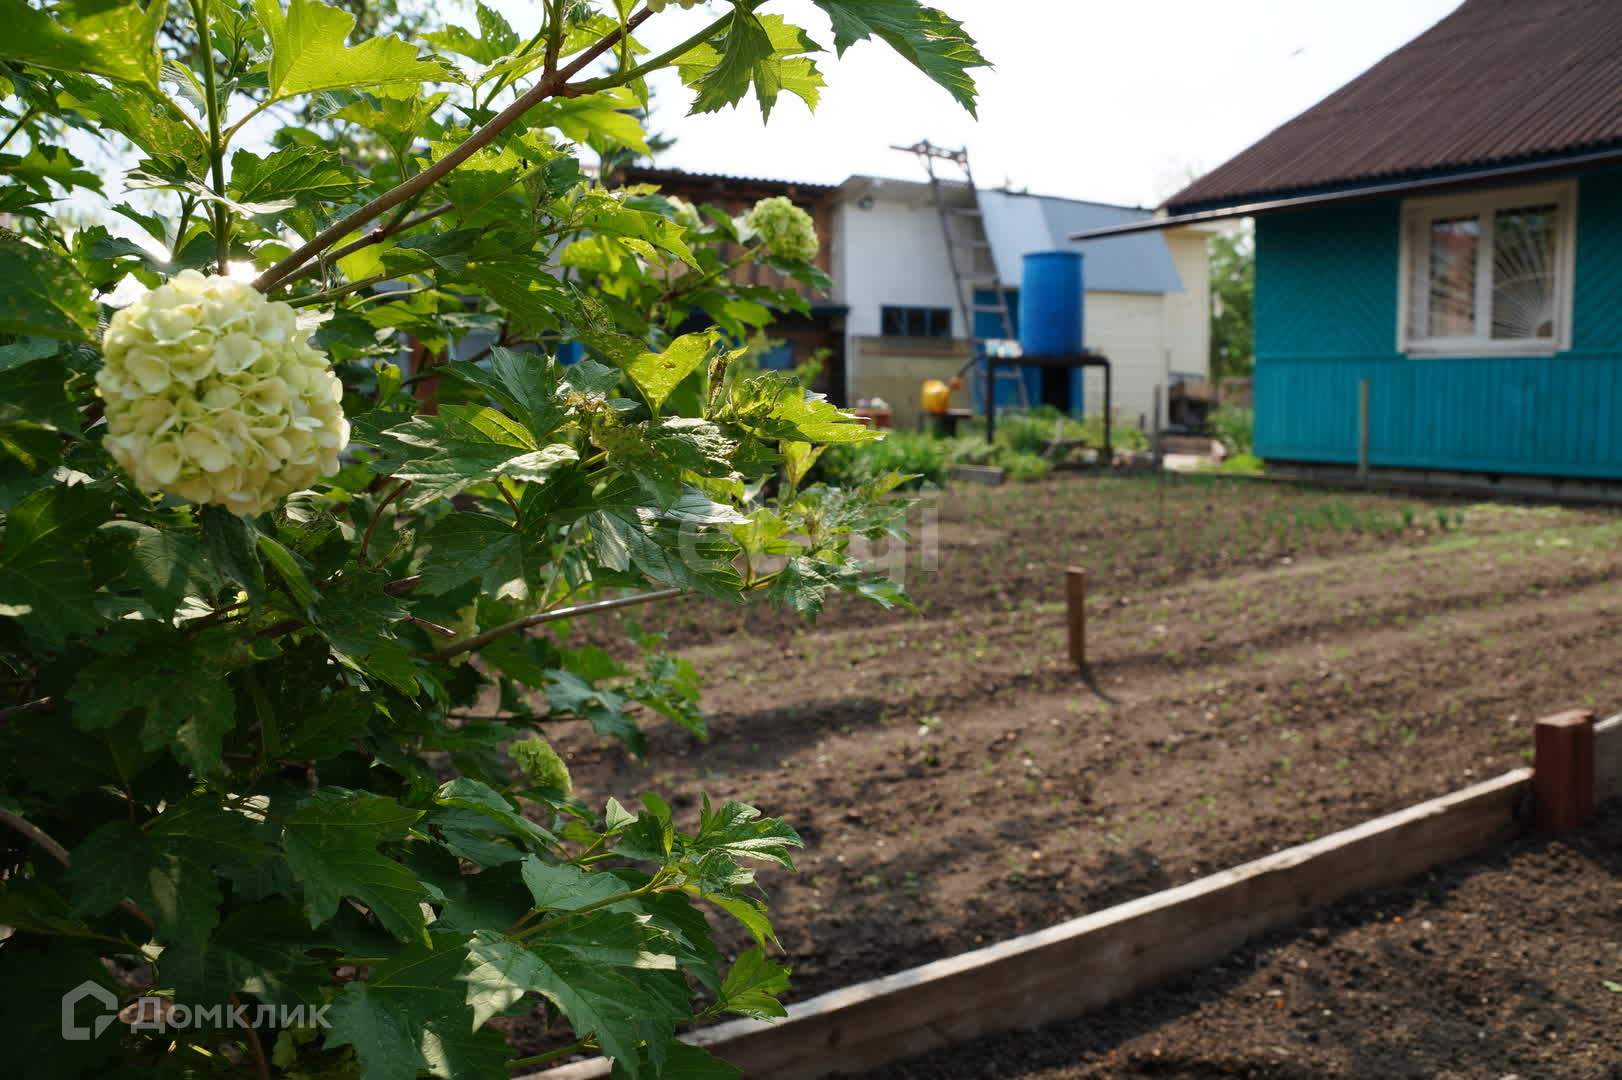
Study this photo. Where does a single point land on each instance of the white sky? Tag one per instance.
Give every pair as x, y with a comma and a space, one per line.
1116, 102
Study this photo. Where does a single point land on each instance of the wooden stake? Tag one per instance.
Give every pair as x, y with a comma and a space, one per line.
1075, 603
1563, 772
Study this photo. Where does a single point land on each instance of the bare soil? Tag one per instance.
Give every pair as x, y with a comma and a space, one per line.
1267, 664
1493, 968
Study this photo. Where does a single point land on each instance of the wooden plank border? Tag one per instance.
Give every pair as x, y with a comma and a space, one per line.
1608, 759
1085, 963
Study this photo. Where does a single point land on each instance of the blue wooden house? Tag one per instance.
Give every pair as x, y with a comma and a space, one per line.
1447, 227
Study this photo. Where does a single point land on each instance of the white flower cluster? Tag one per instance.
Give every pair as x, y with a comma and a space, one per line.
686, 213
659, 5
213, 395
785, 229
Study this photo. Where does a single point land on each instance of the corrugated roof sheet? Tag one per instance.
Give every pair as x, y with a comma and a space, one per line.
1019, 224
643, 174
1494, 82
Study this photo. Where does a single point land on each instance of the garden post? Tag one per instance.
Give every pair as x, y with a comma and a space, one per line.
1075, 602
1563, 772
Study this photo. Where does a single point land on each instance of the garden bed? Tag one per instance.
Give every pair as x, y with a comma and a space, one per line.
1493, 967
1261, 675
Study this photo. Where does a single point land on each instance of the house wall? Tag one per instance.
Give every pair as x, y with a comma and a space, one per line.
1326, 318
894, 253
1130, 329
895, 369
891, 253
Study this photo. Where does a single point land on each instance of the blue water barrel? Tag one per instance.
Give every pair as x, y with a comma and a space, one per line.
570, 352
1050, 303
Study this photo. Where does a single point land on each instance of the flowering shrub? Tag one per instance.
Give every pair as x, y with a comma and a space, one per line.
212, 395
269, 758
785, 229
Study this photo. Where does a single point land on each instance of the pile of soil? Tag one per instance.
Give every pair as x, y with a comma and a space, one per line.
1506, 966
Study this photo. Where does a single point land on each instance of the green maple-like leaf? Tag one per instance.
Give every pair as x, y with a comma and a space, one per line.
761, 50
42, 293
480, 798
331, 844
167, 565
478, 547
564, 887
112, 39
656, 374
152, 122
176, 680
930, 39
614, 997
751, 986
776, 407
496, 39
623, 538
525, 384
801, 585
464, 445
290, 173
738, 830
601, 115
177, 889
44, 583
307, 53
406, 1016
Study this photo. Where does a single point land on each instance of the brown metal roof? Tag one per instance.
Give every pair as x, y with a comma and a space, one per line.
640, 174
1496, 81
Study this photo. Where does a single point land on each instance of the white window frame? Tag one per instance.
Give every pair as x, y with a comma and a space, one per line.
1413, 259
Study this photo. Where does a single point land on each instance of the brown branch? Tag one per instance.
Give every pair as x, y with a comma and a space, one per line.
260, 1066
473, 644
44, 704
60, 854
376, 236
371, 526
549, 86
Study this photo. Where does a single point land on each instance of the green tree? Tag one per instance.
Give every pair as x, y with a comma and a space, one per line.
247, 771
1233, 288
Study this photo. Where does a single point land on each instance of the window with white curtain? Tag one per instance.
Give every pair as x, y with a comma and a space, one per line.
1488, 273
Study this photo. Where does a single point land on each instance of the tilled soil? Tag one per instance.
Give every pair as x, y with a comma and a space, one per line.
957, 781
1506, 966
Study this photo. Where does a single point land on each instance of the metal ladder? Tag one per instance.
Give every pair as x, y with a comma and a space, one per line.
964, 280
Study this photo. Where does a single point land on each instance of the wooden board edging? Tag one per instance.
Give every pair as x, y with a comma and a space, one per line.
1091, 961
1608, 759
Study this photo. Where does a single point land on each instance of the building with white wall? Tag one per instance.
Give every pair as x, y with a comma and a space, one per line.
1147, 300
894, 318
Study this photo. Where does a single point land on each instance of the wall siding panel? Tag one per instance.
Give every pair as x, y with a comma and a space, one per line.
1326, 311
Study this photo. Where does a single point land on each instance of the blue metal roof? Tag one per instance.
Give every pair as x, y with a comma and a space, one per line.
1016, 224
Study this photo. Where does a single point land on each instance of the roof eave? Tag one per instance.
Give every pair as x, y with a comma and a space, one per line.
1473, 178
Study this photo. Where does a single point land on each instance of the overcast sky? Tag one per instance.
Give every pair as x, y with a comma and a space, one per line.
1115, 102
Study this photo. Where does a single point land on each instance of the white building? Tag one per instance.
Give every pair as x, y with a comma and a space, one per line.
1147, 300
894, 319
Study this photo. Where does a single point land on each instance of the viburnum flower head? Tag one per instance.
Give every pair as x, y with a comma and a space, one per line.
214, 395
785, 229
687, 214
541, 764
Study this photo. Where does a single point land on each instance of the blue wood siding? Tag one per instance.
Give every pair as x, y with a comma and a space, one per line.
1326, 317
